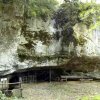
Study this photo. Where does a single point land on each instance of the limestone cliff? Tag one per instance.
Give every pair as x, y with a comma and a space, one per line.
31, 41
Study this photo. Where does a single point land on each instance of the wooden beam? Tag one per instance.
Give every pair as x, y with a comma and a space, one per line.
10, 83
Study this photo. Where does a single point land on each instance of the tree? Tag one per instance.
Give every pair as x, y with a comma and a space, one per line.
42, 8
72, 12
90, 14
66, 17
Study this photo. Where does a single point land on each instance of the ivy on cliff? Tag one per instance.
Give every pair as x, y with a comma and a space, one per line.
42, 8
90, 14
73, 12
66, 17
43, 36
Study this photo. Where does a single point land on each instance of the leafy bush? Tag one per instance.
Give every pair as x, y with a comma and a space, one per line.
73, 12
4, 97
42, 8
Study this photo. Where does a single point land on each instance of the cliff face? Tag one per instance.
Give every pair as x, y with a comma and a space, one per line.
38, 45
27, 41
10, 29
21, 48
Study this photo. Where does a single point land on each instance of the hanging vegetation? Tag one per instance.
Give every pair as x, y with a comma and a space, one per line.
43, 36
42, 8
72, 12
90, 14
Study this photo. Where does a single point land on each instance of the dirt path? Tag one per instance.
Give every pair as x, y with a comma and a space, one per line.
60, 90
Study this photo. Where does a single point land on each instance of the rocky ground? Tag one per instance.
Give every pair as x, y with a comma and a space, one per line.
60, 90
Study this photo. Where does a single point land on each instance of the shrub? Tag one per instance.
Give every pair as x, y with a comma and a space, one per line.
4, 97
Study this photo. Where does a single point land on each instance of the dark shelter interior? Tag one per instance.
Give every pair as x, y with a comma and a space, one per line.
14, 79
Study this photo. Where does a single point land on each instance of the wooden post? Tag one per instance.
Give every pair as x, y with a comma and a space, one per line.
2, 85
21, 90
20, 79
20, 87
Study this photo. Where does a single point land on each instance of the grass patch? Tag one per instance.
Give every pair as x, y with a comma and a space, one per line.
96, 97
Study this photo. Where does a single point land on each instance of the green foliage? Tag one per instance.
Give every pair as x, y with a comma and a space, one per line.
66, 17
1, 6
96, 97
6, 1
90, 14
42, 8
72, 12
3, 97
81, 40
